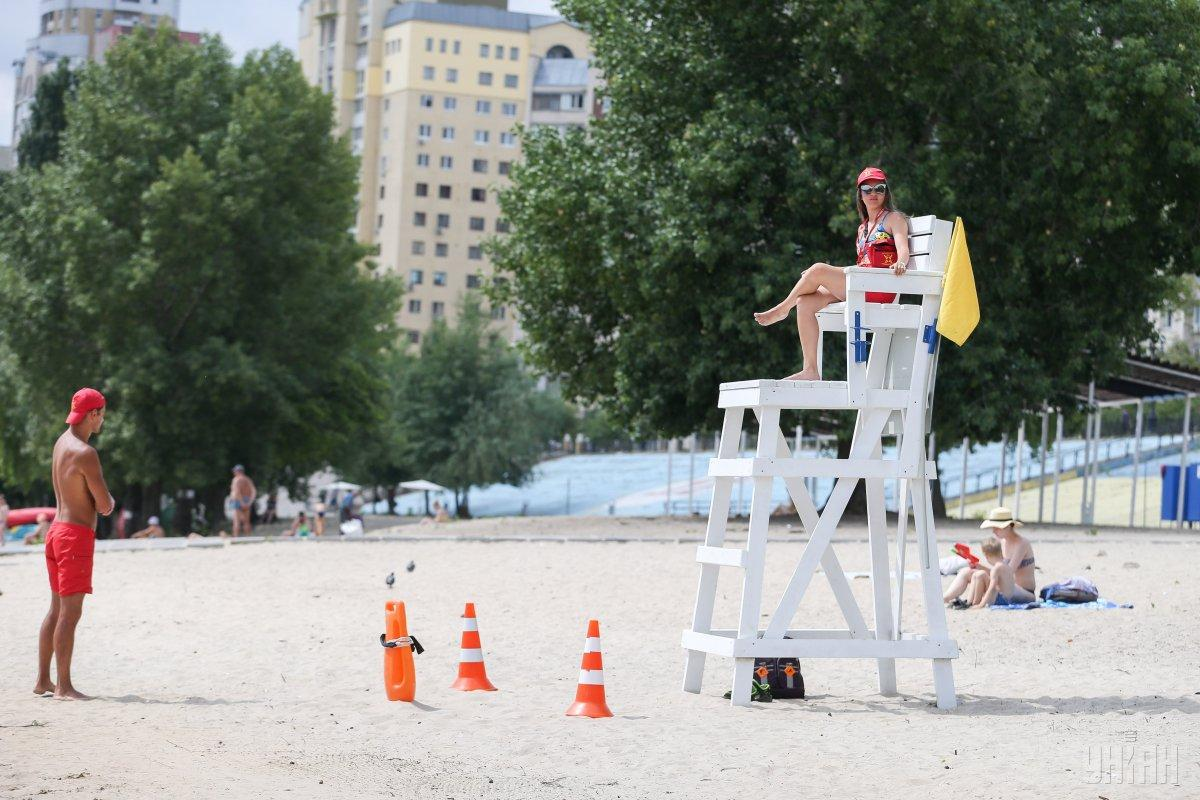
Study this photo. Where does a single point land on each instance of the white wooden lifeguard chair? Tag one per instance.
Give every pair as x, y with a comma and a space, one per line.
891, 362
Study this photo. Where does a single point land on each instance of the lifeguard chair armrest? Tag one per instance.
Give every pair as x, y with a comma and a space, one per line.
872, 279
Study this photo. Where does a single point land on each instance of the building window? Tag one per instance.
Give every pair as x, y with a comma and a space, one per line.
477, 223
447, 162
426, 101
498, 312
503, 167
439, 309
414, 337
448, 133
361, 50
358, 106
483, 106
416, 277
360, 82
414, 306
472, 281
441, 250
387, 104
439, 279
451, 75
386, 132
475, 252
481, 137
424, 132
478, 195
513, 54
443, 221
479, 165
442, 46
422, 159
422, 190
418, 248
379, 222
508, 109
1169, 314
485, 79
449, 103
484, 50
510, 81
419, 219
501, 226
499, 52
444, 192
427, 73
508, 139
387, 76
429, 44
382, 191
383, 165
457, 47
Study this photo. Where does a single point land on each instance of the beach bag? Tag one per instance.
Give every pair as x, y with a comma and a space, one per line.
1072, 590
782, 675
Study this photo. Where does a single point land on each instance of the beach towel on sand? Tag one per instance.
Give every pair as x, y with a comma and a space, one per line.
1100, 604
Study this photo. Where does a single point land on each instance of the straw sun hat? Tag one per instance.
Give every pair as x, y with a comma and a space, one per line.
1001, 517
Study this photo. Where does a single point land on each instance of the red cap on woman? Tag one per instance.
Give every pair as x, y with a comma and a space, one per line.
871, 174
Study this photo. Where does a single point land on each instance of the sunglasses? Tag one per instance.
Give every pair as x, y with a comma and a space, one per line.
879, 188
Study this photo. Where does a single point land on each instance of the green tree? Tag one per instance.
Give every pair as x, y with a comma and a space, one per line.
467, 413
1063, 132
40, 141
189, 256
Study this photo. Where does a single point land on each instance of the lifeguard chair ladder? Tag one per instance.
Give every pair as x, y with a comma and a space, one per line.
890, 380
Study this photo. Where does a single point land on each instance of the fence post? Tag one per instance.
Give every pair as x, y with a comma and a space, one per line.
691, 470
1137, 460
1017, 484
1084, 511
1058, 435
1042, 466
670, 452
962, 490
1183, 454
1003, 461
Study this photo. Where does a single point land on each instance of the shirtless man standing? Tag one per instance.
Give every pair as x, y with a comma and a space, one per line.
82, 494
242, 491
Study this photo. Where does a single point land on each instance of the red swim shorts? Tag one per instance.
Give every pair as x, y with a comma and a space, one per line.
69, 549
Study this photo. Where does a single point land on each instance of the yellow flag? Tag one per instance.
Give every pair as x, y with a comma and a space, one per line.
959, 313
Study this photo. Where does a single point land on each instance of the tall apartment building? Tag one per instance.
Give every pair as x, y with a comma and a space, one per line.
80, 31
429, 94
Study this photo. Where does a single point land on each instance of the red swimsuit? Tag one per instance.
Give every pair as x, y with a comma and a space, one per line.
876, 249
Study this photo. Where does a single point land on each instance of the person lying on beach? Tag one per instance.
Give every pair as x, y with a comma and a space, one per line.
152, 530
299, 526
973, 579
1012, 581
38, 535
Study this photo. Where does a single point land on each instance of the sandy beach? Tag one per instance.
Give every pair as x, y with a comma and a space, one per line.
254, 671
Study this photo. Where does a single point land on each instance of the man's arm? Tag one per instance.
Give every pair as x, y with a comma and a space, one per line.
94, 475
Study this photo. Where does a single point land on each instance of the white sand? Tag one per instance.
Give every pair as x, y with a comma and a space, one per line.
254, 671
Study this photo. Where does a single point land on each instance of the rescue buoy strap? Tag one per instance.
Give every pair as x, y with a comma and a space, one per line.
403, 641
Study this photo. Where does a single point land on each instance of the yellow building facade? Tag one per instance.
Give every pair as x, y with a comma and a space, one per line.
429, 95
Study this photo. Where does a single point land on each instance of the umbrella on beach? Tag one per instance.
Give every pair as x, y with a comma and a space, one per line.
423, 486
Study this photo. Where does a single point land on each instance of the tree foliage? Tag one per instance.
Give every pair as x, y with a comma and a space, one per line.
189, 256
466, 412
40, 142
1064, 133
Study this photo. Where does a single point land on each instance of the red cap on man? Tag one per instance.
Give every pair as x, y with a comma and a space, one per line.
870, 174
85, 400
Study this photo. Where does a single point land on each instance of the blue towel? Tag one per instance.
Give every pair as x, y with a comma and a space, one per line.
1095, 604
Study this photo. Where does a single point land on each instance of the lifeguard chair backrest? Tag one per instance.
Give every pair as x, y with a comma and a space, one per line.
929, 243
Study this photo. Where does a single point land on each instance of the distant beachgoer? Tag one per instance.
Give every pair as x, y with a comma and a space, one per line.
81, 494
38, 534
300, 526
974, 579
356, 504
242, 494
438, 515
1012, 579
319, 520
124, 517
152, 530
347, 506
270, 516
3, 519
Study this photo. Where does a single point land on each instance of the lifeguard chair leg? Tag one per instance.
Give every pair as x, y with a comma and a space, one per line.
931, 583
880, 579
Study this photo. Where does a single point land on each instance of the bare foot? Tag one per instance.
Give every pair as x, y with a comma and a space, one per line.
43, 687
70, 694
771, 316
804, 375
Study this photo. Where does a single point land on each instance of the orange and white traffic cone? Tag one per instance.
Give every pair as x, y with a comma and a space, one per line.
589, 697
471, 674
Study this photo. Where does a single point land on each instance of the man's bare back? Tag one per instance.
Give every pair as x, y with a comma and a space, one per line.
76, 466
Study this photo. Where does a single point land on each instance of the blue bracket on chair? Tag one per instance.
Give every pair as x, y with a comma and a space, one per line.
930, 336
860, 344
